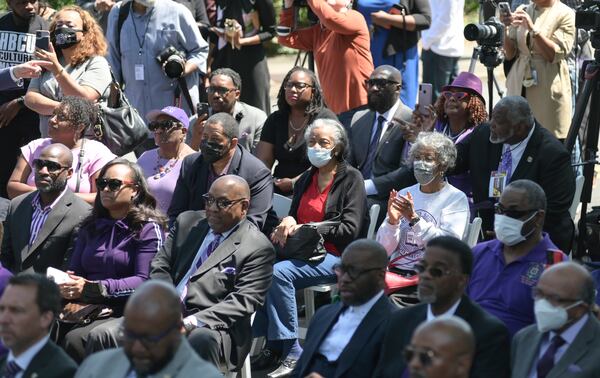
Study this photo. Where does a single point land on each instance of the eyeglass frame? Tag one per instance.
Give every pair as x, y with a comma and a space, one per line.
147, 341
161, 125
290, 84
420, 268
535, 294
465, 95
34, 164
369, 83
221, 203
425, 356
340, 269
221, 91
499, 209
100, 186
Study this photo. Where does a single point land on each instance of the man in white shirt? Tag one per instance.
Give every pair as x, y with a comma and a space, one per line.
444, 273
443, 43
28, 308
344, 338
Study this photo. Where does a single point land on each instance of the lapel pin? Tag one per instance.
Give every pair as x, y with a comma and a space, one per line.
529, 159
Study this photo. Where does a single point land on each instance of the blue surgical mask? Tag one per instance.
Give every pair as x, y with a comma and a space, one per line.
319, 157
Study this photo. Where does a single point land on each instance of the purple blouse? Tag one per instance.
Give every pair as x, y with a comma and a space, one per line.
461, 181
161, 187
111, 253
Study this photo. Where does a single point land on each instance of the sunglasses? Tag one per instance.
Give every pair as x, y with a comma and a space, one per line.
425, 356
380, 83
458, 96
163, 125
538, 294
221, 91
501, 210
147, 341
51, 165
221, 203
112, 184
433, 271
351, 271
298, 86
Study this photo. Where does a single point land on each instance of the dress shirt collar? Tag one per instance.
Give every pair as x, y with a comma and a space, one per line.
25, 358
226, 234
523, 143
571, 333
451, 311
390, 113
36, 202
364, 308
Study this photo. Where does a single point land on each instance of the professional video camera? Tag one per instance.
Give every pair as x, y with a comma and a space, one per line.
490, 36
587, 17
172, 62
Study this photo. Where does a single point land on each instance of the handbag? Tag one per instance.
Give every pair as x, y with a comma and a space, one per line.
306, 243
119, 126
83, 313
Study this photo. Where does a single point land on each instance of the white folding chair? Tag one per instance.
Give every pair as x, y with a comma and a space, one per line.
281, 205
472, 233
373, 215
309, 302
579, 180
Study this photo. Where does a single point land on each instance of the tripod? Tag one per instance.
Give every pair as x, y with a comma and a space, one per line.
589, 95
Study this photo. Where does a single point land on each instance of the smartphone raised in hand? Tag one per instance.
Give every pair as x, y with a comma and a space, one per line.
504, 8
42, 39
425, 97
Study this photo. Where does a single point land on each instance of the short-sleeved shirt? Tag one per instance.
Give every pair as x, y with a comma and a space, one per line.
505, 290
93, 73
312, 206
161, 186
96, 155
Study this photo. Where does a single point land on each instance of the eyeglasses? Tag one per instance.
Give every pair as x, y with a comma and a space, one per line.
163, 125
458, 96
113, 184
501, 210
380, 83
433, 271
221, 91
51, 165
221, 203
352, 272
425, 356
538, 294
300, 87
147, 341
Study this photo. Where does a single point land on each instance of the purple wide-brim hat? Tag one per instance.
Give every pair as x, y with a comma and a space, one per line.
466, 80
171, 111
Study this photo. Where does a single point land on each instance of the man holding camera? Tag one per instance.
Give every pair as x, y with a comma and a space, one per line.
152, 44
341, 47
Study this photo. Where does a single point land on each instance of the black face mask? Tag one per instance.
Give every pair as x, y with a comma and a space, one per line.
212, 151
65, 37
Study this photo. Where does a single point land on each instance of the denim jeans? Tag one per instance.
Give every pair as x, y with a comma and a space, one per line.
278, 318
438, 70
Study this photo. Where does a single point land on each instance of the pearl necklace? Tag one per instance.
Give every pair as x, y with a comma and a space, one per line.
162, 170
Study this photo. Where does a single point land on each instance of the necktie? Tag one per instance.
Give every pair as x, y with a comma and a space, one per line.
367, 167
546, 363
506, 164
209, 250
11, 370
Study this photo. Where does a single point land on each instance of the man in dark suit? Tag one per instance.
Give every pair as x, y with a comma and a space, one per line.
344, 338
12, 77
28, 309
220, 156
511, 147
222, 266
444, 273
377, 146
565, 341
40, 225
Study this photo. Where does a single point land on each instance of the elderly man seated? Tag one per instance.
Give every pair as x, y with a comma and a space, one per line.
507, 268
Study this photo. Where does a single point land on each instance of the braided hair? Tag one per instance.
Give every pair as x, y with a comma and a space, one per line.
316, 100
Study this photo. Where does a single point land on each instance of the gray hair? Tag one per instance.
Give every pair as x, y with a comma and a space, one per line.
231, 129
517, 110
445, 150
340, 138
536, 197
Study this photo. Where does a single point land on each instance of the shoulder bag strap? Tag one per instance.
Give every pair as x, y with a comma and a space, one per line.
80, 165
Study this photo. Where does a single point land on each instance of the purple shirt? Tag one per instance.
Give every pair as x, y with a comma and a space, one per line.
505, 290
461, 181
161, 186
112, 253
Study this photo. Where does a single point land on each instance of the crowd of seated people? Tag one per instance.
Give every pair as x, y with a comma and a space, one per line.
171, 260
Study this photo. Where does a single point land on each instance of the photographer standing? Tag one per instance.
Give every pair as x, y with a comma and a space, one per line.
540, 36
153, 32
341, 47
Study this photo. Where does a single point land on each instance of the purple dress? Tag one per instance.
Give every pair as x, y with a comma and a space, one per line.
162, 185
116, 256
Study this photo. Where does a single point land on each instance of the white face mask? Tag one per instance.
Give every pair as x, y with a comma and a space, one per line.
319, 157
424, 171
508, 230
549, 317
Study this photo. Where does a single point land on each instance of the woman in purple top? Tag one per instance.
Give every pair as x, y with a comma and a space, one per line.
115, 245
456, 113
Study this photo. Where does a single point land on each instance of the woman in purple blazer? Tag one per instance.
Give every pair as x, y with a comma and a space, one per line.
114, 247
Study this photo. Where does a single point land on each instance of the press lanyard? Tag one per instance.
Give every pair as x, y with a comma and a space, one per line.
143, 41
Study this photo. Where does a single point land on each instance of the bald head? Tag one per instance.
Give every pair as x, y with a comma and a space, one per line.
155, 299
235, 184
571, 279
389, 72
370, 250
452, 331
60, 151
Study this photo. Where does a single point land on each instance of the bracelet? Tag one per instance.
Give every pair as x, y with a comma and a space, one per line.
62, 69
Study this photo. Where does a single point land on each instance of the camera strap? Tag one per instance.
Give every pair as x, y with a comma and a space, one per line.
182, 87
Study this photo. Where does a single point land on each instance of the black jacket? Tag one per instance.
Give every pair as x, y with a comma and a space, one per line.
492, 346
401, 40
347, 202
50, 362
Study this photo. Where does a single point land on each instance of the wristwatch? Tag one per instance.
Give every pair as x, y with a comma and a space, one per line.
414, 221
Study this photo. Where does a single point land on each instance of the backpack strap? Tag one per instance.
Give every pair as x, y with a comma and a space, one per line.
124, 11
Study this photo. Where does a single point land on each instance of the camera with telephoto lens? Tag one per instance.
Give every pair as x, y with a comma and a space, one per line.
172, 62
587, 17
490, 36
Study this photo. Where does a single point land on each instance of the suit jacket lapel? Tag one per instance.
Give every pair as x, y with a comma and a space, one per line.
364, 134
54, 218
324, 327
365, 329
388, 133
224, 250
577, 349
200, 230
527, 158
528, 355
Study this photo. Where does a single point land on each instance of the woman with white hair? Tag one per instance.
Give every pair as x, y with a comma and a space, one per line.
430, 208
330, 190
